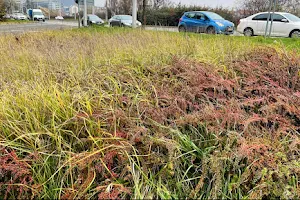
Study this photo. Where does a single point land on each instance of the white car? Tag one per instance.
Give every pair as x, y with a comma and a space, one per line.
284, 25
59, 18
19, 16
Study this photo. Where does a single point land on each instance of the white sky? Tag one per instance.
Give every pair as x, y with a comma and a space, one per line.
211, 3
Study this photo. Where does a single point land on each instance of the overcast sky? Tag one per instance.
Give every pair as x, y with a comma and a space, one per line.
211, 3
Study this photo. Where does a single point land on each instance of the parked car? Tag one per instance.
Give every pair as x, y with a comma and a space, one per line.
205, 22
284, 24
93, 20
59, 18
122, 21
19, 16
8, 16
36, 15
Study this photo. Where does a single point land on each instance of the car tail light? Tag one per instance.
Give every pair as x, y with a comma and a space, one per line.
180, 19
239, 22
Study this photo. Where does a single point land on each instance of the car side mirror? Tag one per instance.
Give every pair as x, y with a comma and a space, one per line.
285, 20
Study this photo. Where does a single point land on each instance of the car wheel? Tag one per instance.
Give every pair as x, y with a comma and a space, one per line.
248, 32
182, 29
295, 34
210, 30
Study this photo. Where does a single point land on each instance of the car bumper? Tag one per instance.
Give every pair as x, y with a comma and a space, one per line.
97, 23
229, 30
127, 25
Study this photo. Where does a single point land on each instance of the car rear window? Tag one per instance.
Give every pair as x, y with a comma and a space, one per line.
292, 17
278, 18
261, 17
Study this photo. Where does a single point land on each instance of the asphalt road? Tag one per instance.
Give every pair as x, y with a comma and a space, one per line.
35, 26
57, 25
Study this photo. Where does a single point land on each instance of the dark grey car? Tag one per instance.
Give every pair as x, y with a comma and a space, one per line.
122, 21
93, 20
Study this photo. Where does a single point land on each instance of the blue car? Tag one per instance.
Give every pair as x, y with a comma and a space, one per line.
205, 22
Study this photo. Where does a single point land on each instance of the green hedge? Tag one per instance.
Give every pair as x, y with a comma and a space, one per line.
169, 16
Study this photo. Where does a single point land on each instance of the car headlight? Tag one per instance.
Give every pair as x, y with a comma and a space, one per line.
220, 24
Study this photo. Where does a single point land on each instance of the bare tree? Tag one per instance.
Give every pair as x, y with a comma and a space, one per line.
161, 3
125, 6
293, 6
2, 9
255, 6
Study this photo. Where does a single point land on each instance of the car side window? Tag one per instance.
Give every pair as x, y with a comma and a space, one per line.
190, 15
261, 17
199, 16
278, 18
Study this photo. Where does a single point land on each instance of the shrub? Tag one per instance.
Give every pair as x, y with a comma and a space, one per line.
169, 16
2, 9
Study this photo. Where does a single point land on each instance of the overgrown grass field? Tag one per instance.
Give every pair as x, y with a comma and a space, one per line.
117, 113
12, 21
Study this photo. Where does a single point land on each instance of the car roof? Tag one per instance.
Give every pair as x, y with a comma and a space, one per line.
271, 12
123, 15
197, 11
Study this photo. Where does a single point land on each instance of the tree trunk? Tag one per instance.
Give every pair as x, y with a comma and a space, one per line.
144, 12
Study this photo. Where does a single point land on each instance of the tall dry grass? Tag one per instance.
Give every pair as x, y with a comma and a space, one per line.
91, 114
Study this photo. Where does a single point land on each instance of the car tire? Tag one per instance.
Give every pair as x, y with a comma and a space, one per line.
182, 29
295, 34
248, 32
211, 30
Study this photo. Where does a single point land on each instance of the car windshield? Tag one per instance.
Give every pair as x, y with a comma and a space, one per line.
37, 13
94, 17
126, 17
213, 15
292, 17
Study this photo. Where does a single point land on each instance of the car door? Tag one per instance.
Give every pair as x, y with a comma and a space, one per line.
259, 24
199, 23
280, 25
189, 21
115, 21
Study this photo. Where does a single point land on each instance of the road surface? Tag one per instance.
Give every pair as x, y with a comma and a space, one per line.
36, 26
57, 25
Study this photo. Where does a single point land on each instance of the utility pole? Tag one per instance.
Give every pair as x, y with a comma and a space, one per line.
49, 7
144, 12
106, 11
78, 14
134, 13
269, 16
273, 5
84, 13
272, 18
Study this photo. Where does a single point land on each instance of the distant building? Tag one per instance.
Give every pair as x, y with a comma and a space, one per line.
73, 10
66, 11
